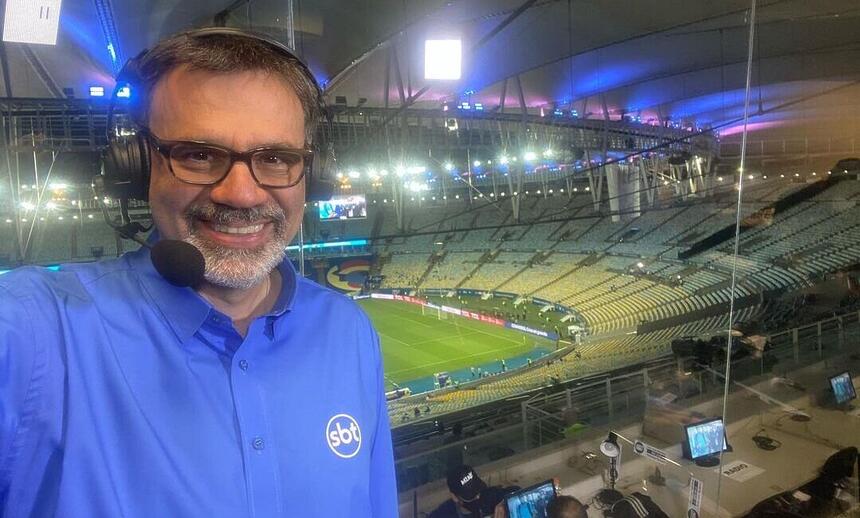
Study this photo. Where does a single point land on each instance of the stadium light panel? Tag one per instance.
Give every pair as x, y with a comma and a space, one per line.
124, 92
97, 91
529, 156
30, 21
449, 166
443, 59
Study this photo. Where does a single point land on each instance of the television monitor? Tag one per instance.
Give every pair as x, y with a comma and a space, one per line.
704, 441
340, 208
843, 388
531, 502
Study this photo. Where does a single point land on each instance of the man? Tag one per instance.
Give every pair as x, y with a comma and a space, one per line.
471, 497
565, 506
257, 394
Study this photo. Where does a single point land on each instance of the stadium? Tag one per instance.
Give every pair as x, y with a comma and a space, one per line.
619, 231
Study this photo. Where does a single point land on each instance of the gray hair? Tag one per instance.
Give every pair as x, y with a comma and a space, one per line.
223, 53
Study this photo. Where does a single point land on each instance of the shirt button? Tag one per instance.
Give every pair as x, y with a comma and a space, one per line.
243, 364
258, 443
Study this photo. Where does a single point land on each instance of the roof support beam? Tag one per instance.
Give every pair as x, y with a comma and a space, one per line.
507, 21
41, 71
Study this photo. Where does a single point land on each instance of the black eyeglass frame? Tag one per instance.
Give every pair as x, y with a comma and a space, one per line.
165, 147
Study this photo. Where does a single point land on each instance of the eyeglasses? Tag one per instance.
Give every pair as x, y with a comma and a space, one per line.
201, 163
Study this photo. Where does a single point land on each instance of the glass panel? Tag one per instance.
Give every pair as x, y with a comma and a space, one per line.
791, 420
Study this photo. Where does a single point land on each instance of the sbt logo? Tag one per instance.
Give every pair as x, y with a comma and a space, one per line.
343, 436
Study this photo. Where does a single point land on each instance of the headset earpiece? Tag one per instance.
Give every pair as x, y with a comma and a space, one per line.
125, 168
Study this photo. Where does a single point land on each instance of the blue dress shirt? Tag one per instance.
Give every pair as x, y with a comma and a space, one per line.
124, 396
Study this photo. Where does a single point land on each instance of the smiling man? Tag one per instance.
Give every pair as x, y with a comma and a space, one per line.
258, 393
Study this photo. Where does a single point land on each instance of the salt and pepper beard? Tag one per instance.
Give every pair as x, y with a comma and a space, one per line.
238, 268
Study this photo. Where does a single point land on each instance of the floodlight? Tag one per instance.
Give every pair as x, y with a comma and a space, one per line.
124, 92
442, 59
32, 22
97, 91
529, 156
449, 166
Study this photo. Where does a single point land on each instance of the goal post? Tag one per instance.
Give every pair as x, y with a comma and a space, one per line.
434, 312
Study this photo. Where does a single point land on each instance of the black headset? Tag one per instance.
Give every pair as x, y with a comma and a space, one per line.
126, 160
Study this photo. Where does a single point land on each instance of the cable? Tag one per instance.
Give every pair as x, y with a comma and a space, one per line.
765, 442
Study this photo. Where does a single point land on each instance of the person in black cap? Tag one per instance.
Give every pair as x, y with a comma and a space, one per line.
470, 496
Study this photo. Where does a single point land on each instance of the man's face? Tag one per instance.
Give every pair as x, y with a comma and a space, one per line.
240, 227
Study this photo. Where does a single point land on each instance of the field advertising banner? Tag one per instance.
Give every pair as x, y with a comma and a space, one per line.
473, 315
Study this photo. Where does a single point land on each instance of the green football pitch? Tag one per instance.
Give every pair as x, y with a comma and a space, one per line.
416, 345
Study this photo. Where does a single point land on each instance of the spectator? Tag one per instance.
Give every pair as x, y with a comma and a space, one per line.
566, 507
471, 497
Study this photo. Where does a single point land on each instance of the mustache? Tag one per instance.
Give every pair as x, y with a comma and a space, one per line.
223, 215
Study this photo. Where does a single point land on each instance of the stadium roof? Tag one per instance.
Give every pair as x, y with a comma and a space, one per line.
681, 59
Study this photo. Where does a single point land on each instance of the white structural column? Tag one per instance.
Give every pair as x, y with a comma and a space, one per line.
623, 184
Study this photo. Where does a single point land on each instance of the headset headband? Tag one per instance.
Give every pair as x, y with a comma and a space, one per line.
129, 73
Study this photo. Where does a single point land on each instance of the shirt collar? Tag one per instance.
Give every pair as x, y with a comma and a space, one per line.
183, 308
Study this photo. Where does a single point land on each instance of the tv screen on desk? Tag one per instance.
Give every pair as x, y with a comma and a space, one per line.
843, 388
705, 438
531, 502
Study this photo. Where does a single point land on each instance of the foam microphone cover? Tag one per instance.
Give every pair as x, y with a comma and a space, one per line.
180, 263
